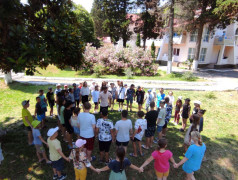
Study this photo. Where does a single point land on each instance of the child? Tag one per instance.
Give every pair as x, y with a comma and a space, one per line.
193, 157
171, 97
118, 166
95, 95
87, 124
140, 97
39, 112
57, 90
161, 120
27, 119
201, 112
71, 97
193, 127
51, 100
80, 161
140, 127
105, 98
84, 92
66, 87
61, 122
123, 130
151, 118
185, 114
56, 154
74, 121
69, 129
121, 96
177, 110
104, 129
113, 90
43, 104
154, 94
162, 158
168, 115
38, 140
130, 93
148, 99
195, 109
160, 97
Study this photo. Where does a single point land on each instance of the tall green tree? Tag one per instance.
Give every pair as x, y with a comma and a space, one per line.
138, 40
117, 21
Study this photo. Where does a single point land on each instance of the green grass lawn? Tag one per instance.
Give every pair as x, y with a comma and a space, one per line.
220, 136
53, 71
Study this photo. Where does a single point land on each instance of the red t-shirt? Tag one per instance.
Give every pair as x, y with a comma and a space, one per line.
162, 160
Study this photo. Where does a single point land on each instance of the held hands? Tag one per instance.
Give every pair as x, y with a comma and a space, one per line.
98, 171
67, 159
141, 169
175, 165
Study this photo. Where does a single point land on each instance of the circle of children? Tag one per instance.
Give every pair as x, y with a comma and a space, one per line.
83, 124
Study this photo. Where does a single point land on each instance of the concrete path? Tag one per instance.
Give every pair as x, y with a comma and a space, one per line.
215, 81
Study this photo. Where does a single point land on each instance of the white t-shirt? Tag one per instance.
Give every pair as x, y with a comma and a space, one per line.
84, 91
86, 122
123, 127
105, 126
104, 98
142, 123
161, 116
171, 100
149, 98
74, 121
121, 92
95, 95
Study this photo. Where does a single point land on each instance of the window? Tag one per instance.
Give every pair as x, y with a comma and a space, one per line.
176, 52
193, 36
191, 53
206, 35
236, 32
203, 54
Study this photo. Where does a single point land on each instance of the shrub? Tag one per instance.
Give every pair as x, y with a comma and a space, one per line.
210, 95
153, 49
138, 40
189, 76
98, 70
129, 73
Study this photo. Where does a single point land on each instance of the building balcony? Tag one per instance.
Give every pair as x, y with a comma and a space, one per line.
223, 40
177, 39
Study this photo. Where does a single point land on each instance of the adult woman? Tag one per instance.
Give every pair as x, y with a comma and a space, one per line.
84, 92
121, 96
193, 157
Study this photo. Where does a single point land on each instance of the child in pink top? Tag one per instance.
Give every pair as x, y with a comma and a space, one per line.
161, 157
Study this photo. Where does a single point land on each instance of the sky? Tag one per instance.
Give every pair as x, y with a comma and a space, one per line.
87, 4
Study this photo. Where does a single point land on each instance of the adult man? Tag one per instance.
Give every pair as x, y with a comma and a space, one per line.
104, 98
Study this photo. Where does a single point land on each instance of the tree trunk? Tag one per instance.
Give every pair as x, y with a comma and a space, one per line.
198, 46
8, 78
171, 34
124, 42
144, 43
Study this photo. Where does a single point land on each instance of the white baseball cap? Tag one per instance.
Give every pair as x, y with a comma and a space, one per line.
180, 97
52, 131
58, 85
25, 102
197, 102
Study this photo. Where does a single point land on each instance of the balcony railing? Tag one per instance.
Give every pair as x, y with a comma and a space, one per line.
223, 40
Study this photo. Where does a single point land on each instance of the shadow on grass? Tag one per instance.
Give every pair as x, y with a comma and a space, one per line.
21, 162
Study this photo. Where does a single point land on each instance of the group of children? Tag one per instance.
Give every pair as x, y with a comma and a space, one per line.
84, 125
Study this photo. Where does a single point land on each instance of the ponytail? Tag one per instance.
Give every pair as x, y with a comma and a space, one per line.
77, 154
195, 135
121, 155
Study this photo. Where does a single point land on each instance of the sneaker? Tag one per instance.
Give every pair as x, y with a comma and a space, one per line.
48, 162
62, 177
181, 130
156, 142
55, 177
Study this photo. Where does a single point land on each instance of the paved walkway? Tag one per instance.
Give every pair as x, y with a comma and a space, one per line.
216, 80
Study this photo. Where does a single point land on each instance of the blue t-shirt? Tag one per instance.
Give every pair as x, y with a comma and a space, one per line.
159, 98
36, 134
195, 155
114, 165
43, 103
76, 93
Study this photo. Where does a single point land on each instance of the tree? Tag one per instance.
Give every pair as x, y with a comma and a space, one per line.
138, 40
117, 21
153, 49
171, 35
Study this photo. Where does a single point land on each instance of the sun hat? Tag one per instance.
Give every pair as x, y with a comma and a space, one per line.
197, 102
57, 85
25, 102
52, 131
35, 123
180, 97
80, 142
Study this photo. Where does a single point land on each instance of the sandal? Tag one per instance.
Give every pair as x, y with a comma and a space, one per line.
132, 155
144, 147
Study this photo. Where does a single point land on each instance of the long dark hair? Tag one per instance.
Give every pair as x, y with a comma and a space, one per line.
196, 121
60, 103
121, 155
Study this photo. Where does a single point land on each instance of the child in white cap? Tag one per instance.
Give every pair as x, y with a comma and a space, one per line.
148, 100
80, 160
56, 154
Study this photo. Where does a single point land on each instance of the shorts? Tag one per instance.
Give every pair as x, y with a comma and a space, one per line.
165, 125
122, 143
101, 108
104, 145
89, 143
40, 148
159, 128
51, 104
58, 165
113, 97
185, 115
135, 139
77, 102
96, 103
162, 174
41, 117
76, 130
129, 100
28, 128
140, 102
150, 131
84, 99
120, 100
